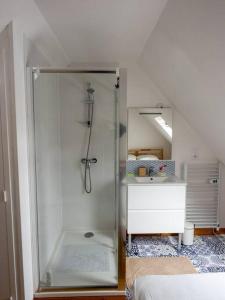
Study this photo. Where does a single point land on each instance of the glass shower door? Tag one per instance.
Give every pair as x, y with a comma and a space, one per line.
75, 121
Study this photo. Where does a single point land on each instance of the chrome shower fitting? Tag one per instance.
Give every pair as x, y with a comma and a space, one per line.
90, 103
89, 161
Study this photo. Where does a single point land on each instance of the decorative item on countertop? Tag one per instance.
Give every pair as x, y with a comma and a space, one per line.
151, 171
162, 171
142, 171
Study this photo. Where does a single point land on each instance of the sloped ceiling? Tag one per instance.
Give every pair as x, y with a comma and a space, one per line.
102, 31
185, 57
183, 42
29, 19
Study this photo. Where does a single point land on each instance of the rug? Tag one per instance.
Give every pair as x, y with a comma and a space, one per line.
136, 267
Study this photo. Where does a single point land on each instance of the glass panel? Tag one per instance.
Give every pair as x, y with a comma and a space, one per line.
76, 165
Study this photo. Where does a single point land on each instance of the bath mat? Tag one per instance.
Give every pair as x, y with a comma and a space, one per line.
136, 267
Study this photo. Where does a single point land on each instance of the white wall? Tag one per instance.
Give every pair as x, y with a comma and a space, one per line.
48, 165
82, 211
143, 134
140, 89
188, 145
186, 141
31, 22
185, 57
22, 161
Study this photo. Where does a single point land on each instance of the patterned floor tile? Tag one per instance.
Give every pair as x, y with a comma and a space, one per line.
207, 253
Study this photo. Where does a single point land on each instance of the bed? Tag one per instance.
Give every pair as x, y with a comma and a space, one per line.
204, 286
145, 154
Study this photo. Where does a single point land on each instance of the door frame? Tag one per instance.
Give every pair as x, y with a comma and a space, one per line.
10, 162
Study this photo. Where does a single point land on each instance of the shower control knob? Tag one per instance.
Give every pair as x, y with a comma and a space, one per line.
83, 160
93, 160
89, 161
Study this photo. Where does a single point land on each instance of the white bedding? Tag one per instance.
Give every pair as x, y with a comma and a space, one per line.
131, 157
147, 157
204, 286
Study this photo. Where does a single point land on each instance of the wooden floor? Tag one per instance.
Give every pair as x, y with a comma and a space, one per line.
85, 298
209, 231
197, 231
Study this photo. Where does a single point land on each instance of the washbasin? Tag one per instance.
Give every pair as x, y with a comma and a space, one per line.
152, 179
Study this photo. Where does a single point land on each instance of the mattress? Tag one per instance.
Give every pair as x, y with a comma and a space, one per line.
131, 157
204, 286
147, 157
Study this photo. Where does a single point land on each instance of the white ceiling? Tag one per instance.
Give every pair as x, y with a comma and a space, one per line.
99, 31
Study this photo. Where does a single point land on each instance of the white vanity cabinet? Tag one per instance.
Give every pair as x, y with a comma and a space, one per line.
156, 208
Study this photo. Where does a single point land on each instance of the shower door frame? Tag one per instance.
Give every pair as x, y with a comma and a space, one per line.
72, 291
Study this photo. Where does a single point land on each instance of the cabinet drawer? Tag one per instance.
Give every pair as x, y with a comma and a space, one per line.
157, 221
156, 197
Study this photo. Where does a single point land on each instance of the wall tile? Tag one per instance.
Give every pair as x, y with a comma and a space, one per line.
133, 165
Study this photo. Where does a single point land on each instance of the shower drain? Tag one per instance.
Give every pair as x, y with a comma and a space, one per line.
89, 234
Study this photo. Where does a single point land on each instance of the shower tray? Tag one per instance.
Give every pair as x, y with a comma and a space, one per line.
83, 262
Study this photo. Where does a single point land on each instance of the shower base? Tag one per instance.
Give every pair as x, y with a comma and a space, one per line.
79, 261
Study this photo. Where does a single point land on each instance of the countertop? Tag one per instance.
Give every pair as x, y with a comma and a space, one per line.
171, 180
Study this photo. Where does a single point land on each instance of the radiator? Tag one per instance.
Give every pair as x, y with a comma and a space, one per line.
202, 194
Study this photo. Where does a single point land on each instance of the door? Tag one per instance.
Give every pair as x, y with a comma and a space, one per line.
7, 245
4, 251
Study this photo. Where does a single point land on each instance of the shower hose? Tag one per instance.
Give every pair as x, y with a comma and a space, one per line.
87, 171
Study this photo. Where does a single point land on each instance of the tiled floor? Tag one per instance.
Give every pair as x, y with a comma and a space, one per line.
207, 253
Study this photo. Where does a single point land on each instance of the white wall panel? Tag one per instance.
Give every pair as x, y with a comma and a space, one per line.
82, 211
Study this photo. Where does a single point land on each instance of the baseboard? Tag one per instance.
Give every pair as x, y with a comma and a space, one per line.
209, 231
198, 231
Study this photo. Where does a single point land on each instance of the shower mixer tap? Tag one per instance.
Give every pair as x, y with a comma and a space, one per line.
89, 161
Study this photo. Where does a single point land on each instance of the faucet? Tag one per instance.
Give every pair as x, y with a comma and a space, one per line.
151, 171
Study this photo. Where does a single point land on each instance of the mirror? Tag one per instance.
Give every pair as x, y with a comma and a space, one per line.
149, 133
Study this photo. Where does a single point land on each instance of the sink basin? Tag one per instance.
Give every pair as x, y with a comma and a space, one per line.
153, 179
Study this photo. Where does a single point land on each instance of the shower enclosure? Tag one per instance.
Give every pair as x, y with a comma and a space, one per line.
76, 160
